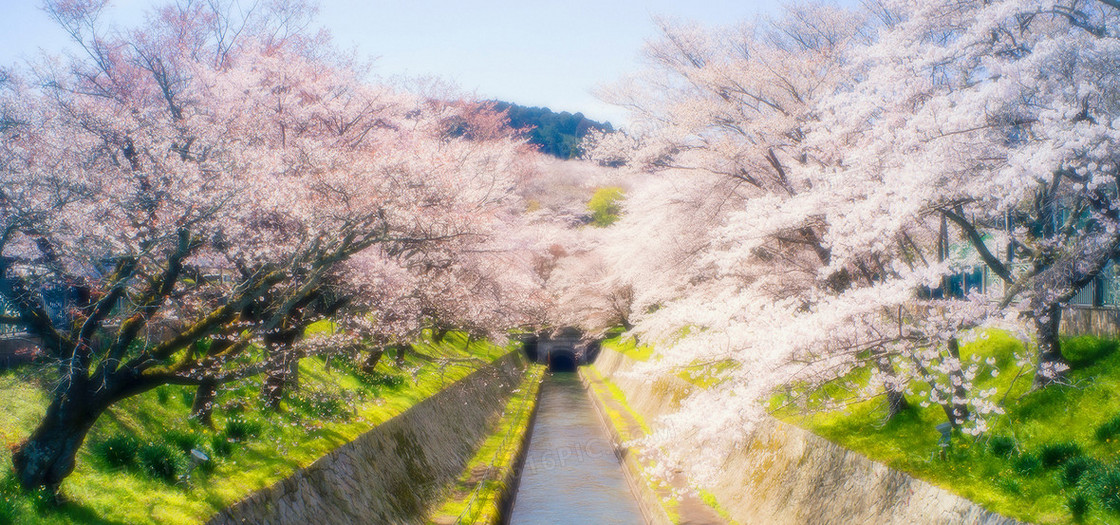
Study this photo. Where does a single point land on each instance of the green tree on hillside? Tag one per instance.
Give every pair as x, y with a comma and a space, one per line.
605, 206
556, 134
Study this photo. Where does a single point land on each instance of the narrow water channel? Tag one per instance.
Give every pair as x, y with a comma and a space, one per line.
571, 474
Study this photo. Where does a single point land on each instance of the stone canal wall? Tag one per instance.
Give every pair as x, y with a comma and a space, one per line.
785, 474
395, 472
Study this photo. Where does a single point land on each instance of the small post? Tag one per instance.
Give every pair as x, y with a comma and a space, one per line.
946, 430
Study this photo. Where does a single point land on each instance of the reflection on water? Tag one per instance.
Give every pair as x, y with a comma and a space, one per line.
571, 474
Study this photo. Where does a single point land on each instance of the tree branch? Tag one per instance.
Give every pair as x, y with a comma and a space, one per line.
978, 242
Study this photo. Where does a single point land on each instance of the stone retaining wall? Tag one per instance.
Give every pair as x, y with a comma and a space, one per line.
395, 472
788, 475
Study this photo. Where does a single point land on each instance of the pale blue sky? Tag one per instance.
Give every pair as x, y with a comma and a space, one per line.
536, 53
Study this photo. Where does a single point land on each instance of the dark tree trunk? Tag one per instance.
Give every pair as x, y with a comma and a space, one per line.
293, 374
438, 334
400, 354
1051, 365
202, 409
374, 357
896, 400
48, 455
272, 390
957, 407
896, 403
956, 412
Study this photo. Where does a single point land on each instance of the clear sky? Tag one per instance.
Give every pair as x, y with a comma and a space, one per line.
532, 52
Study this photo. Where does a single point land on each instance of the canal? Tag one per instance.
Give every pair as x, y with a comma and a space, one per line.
571, 473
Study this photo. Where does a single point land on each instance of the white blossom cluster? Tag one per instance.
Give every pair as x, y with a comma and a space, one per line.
815, 184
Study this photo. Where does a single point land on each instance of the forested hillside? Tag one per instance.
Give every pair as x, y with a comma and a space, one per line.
556, 134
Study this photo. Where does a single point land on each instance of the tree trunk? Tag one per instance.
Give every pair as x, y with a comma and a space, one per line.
48, 455
896, 404
438, 334
202, 409
957, 408
1051, 365
370, 364
293, 374
272, 390
896, 400
400, 354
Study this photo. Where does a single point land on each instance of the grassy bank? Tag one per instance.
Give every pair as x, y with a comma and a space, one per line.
1052, 458
121, 478
477, 494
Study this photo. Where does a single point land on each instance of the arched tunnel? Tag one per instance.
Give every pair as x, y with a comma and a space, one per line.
562, 353
562, 361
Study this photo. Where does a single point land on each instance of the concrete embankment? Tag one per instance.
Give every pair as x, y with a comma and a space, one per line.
483, 494
397, 471
785, 474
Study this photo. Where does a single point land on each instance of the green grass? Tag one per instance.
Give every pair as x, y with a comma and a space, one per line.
629, 347
479, 489
700, 374
334, 405
1016, 469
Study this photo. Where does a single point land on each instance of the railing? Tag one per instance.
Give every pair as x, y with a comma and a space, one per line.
57, 300
9, 330
1102, 292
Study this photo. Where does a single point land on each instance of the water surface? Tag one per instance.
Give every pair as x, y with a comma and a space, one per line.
571, 473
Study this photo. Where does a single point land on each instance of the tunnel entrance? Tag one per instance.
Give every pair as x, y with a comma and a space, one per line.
561, 361
562, 350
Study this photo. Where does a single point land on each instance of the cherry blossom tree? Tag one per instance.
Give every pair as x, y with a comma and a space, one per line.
1001, 118
864, 146
857, 144
198, 187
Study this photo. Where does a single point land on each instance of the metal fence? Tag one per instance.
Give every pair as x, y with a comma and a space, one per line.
8, 329
1101, 292
57, 300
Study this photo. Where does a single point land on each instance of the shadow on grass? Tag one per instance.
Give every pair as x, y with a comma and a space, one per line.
19, 506
76, 513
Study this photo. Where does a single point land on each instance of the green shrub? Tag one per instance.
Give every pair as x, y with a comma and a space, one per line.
162, 461
1076, 468
605, 206
43, 500
1087, 349
1109, 429
8, 508
1009, 485
186, 395
234, 408
118, 451
240, 429
221, 446
1056, 454
163, 396
1106, 486
183, 440
1027, 464
385, 380
1078, 506
1003, 446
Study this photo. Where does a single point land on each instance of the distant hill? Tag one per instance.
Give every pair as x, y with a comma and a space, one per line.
557, 134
